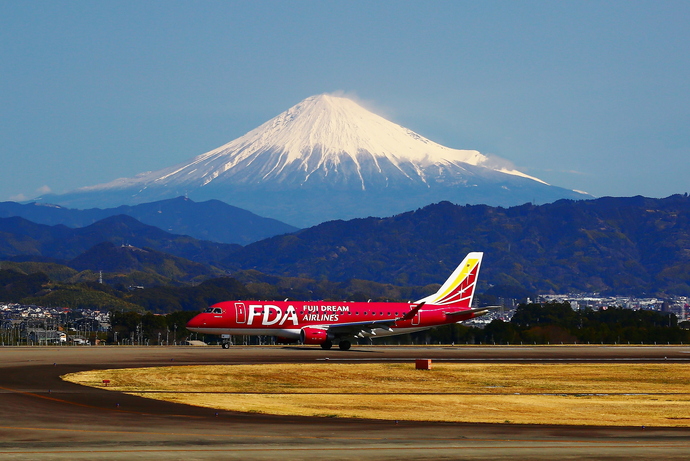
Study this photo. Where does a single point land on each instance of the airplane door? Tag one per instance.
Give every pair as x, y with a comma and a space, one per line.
415, 319
240, 313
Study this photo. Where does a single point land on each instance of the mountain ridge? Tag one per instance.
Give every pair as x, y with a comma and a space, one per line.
211, 220
614, 245
23, 239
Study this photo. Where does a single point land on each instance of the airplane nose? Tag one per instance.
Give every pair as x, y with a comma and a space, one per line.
195, 322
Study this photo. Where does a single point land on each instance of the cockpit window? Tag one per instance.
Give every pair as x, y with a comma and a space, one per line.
214, 310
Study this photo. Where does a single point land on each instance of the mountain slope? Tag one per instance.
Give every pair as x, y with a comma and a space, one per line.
126, 258
210, 220
617, 245
23, 239
328, 158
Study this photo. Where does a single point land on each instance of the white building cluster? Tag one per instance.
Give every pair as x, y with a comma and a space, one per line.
679, 305
33, 325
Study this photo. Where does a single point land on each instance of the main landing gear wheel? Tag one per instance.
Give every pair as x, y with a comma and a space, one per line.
327, 345
225, 345
344, 345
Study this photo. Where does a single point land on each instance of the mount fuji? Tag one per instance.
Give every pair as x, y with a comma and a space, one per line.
327, 158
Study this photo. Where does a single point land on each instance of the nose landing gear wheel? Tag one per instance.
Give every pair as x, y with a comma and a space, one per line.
344, 345
225, 345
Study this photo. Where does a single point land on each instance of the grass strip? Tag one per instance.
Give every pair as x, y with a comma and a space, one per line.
576, 394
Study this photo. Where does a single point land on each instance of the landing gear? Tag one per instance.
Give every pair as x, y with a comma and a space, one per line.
225, 345
326, 345
344, 345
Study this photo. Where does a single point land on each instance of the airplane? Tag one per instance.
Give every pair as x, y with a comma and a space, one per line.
326, 323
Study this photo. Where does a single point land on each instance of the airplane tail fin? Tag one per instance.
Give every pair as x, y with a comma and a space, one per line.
458, 290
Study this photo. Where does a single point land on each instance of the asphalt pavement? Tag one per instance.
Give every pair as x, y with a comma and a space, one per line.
43, 417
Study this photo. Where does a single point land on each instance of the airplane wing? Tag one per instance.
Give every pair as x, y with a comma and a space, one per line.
476, 311
410, 315
355, 329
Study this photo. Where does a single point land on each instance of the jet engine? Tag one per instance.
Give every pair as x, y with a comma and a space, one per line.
311, 335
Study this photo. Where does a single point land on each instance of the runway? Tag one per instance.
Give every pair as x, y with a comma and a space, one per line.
44, 417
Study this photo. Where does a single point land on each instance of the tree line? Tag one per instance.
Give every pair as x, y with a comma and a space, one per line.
134, 328
549, 323
556, 323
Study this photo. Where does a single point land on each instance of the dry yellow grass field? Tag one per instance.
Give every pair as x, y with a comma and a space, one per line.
581, 394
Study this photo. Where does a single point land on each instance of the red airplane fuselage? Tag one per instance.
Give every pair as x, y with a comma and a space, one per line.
328, 322
286, 319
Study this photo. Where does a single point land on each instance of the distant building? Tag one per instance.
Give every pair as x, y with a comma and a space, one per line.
41, 336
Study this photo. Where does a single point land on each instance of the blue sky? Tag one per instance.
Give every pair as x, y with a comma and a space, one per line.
587, 95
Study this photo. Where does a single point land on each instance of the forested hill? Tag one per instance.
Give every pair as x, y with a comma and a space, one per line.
630, 245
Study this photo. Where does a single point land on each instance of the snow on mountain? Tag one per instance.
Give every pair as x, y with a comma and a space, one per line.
323, 135
355, 161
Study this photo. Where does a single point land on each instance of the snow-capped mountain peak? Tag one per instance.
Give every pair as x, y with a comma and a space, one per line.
339, 126
328, 158
322, 136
